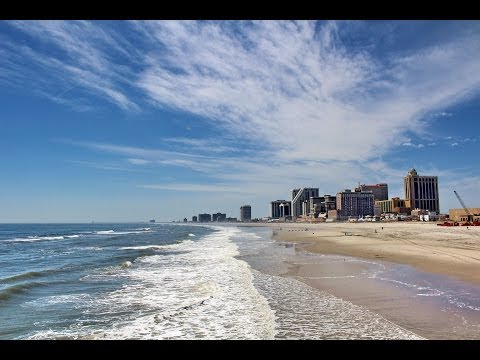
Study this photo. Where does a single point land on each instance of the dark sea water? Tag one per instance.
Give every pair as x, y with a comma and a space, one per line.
167, 281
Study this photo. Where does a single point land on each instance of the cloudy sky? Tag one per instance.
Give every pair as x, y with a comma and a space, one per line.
133, 120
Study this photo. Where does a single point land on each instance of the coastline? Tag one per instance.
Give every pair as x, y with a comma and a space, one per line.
422, 274
449, 251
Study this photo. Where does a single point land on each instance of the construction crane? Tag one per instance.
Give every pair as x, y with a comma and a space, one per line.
469, 216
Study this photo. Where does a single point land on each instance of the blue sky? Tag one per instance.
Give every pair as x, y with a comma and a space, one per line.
132, 120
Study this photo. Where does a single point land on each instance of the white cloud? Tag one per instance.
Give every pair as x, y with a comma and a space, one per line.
321, 113
454, 144
290, 86
74, 59
204, 145
410, 144
302, 91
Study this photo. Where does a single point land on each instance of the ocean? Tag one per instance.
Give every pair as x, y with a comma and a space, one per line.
172, 281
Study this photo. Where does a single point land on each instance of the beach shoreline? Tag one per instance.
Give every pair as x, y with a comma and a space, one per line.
416, 262
450, 251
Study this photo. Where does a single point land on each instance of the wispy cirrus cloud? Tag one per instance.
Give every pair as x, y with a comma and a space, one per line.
318, 109
70, 54
273, 81
294, 86
204, 145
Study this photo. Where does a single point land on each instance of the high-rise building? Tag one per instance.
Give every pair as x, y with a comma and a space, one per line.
299, 196
219, 217
204, 217
358, 203
194, 219
280, 209
245, 213
421, 192
321, 204
380, 191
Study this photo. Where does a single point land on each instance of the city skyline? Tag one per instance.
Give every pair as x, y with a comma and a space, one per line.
134, 120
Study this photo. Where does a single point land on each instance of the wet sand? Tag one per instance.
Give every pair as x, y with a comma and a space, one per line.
416, 253
451, 251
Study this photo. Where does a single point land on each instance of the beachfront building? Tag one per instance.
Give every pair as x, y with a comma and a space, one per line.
194, 219
299, 196
280, 209
245, 213
354, 203
320, 205
421, 192
394, 205
219, 217
204, 218
380, 191
461, 215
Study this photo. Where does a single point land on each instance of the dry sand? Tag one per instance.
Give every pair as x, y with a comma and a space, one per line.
452, 251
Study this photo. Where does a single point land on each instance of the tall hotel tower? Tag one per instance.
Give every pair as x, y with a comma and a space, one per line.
421, 192
245, 213
298, 198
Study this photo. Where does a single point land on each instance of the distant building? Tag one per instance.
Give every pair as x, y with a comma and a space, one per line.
185, 220
461, 215
280, 209
219, 217
151, 221
299, 196
355, 204
204, 218
194, 219
380, 191
320, 205
394, 205
421, 192
377, 209
231, 219
245, 213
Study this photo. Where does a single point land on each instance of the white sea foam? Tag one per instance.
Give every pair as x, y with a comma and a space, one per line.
36, 238
75, 299
201, 291
105, 232
191, 234
142, 247
304, 312
113, 232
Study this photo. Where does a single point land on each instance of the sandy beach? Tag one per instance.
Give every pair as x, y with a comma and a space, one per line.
436, 258
451, 251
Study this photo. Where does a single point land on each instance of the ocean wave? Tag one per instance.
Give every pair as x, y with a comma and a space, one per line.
25, 276
36, 238
113, 232
6, 294
142, 247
